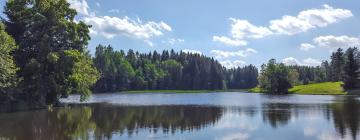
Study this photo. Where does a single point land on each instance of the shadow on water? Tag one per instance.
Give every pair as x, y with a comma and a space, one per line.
106, 121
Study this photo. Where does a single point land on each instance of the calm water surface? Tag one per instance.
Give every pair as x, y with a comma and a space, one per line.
208, 116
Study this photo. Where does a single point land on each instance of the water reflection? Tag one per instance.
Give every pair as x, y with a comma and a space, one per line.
346, 116
273, 118
101, 121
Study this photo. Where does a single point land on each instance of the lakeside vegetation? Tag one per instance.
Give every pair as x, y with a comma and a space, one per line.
326, 88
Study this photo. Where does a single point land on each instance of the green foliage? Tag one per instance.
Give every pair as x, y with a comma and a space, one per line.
156, 71
242, 78
7, 65
337, 65
82, 75
51, 54
351, 69
276, 78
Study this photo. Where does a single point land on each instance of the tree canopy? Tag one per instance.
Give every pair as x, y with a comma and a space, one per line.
51, 56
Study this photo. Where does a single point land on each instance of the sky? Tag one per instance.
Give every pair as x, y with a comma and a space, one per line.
236, 33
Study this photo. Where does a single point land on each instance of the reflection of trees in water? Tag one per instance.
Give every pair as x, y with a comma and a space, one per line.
346, 116
102, 121
44, 125
276, 114
169, 118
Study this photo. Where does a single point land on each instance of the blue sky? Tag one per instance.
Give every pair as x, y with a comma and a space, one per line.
234, 32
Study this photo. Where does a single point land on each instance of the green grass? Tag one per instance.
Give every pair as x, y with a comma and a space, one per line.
326, 88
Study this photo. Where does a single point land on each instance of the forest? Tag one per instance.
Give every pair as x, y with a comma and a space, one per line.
168, 70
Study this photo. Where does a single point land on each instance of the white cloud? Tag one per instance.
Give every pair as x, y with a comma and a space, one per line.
334, 42
228, 41
111, 27
241, 29
309, 19
232, 64
173, 41
289, 25
114, 26
225, 54
80, 6
114, 11
306, 46
291, 61
191, 51
305, 62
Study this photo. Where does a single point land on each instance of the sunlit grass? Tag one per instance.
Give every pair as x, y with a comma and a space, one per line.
326, 88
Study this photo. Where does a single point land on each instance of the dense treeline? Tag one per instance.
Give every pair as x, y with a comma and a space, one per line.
242, 77
344, 66
168, 70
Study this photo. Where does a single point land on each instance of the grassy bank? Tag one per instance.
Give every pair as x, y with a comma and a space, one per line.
327, 88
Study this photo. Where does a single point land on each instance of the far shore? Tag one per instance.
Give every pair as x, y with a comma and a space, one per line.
326, 88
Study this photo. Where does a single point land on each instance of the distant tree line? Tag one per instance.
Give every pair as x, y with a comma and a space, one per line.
168, 70
343, 66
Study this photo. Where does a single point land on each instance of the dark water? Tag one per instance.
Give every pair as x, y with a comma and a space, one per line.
211, 116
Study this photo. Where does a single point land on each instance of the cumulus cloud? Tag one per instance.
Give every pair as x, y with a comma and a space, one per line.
114, 26
309, 19
225, 54
333, 42
191, 51
241, 29
306, 46
80, 6
111, 27
290, 61
228, 41
232, 64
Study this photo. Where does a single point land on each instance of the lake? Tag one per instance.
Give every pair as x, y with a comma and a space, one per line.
207, 116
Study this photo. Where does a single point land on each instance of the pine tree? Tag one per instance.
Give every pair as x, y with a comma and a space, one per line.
351, 68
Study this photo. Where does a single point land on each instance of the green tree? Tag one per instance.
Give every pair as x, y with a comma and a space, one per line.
275, 78
337, 64
7, 66
351, 68
46, 32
